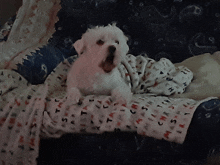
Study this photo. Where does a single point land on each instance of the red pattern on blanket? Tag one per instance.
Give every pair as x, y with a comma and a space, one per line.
28, 112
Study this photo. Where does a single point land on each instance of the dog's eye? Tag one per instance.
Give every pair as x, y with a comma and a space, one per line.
100, 42
117, 42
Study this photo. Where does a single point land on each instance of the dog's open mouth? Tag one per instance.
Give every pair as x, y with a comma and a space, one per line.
108, 64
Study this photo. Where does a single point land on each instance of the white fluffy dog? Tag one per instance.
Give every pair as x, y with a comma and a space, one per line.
95, 72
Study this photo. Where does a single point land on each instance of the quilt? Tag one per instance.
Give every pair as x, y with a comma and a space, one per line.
31, 112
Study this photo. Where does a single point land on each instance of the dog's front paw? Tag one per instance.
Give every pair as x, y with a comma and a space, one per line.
120, 96
73, 96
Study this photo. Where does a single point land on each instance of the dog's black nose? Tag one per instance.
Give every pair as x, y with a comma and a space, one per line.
111, 49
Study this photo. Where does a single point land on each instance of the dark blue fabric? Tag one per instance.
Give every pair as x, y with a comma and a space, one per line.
206, 121
40, 64
160, 28
174, 30
208, 114
6, 28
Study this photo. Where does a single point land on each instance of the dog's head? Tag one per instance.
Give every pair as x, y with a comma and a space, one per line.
106, 45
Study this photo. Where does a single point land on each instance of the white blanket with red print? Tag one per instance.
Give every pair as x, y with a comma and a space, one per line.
30, 112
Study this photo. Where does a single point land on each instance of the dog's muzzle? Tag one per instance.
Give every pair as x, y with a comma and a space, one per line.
111, 49
108, 64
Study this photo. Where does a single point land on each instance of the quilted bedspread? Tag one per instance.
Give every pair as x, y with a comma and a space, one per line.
30, 112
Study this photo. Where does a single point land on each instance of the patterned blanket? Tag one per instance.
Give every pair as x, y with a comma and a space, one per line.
30, 112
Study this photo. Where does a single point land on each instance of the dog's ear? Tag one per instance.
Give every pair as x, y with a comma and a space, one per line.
126, 48
79, 46
113, 23
126, 38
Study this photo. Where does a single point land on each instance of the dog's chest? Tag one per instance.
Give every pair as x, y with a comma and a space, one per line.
105, 83
91, 82
91, 79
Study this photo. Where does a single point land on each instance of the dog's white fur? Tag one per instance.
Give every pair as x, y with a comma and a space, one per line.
92, 73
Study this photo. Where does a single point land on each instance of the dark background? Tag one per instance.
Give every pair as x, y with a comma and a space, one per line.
174, 29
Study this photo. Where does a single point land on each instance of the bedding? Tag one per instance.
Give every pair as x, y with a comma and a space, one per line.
32, 28
33, 112
30, 112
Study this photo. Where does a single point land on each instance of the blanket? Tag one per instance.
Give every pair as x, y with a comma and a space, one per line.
30, 112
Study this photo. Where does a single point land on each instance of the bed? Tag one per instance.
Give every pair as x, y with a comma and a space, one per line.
36, 53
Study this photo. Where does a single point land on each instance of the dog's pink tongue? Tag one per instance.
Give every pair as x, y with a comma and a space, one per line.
107, 66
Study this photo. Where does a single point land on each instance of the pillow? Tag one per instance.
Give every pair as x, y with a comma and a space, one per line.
37, 67
206, 69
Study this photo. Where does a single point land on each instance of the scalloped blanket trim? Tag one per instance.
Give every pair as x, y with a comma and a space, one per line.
33, 27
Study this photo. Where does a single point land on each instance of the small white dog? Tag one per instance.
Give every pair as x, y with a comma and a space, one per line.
95, 72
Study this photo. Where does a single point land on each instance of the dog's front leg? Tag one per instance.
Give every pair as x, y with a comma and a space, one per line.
122, 94
73, 95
